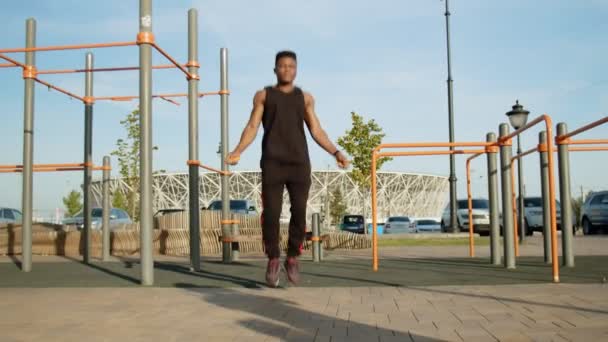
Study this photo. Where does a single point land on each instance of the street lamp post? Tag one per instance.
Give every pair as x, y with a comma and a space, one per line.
518, 117
450, 81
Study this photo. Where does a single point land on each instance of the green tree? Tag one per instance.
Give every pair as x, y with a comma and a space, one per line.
73, 203
359, 142
337, 207
127, 152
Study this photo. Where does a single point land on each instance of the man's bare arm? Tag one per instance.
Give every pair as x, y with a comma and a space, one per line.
251, 129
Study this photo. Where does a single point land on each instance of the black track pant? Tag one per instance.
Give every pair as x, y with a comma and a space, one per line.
276, 177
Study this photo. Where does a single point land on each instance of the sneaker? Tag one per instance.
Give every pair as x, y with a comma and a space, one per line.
272, 272
293, 270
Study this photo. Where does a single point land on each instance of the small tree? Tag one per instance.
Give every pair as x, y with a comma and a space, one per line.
73, 203
337, 207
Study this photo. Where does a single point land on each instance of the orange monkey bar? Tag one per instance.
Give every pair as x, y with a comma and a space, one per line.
68, 47
72, 71
52, 167
209, 168
377, 154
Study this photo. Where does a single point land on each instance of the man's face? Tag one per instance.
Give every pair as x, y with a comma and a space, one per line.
286, 70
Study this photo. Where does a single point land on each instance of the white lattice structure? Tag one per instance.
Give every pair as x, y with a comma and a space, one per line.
415, 195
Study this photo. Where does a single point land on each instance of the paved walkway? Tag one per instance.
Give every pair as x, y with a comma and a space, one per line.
440, 298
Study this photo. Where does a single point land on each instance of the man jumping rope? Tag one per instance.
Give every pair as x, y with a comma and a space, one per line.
283, 109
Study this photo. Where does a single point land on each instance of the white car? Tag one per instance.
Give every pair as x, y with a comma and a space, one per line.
481, 216
533, 211
428, 225
399, 225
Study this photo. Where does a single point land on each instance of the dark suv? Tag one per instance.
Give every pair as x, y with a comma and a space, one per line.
353, 224
595, 213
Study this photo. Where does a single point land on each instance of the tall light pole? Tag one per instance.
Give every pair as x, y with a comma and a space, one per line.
453, 203
518, 117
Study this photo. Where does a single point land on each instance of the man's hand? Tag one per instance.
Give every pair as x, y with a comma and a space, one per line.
342, 161
233, 158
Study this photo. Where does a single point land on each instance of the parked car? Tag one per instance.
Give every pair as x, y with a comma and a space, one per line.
236, 206
428, 225
481, 216
8, 215
118, 218
595, 213
533, 211
353, 224
399, 225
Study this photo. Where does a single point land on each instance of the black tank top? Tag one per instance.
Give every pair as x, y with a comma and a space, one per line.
283, 120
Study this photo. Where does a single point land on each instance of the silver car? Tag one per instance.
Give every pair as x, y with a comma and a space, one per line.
595, 213
118, 218
399, 225
8, 215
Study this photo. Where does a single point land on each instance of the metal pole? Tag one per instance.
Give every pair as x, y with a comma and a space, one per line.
105, 224
145, 148
235, 245
88, 159
563, 156
544, 184
494, 201
450, 81
520, 182
193, 169
315, 237
226, 228
28, 151
507, 204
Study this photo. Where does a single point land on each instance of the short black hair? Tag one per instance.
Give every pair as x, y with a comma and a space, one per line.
285, 53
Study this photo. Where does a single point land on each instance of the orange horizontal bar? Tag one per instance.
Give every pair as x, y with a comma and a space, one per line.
71, 71
59, 89
225, 173
587, 149
588, 142
583, 129
179, 66
166, 96
434, 144
69, 47
8, 65
427, 153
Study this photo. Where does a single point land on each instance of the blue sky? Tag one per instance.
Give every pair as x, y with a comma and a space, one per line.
384, 59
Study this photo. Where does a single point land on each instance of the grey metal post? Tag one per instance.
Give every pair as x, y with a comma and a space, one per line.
315, 237
193, 169
145, 148
450, 81
227, 247
88, 158
105, 224
507, 194
544, 184
520, 203
494, 201
563, 157
28, 151
235, 233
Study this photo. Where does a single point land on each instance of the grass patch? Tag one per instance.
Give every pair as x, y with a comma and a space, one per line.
431, 242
